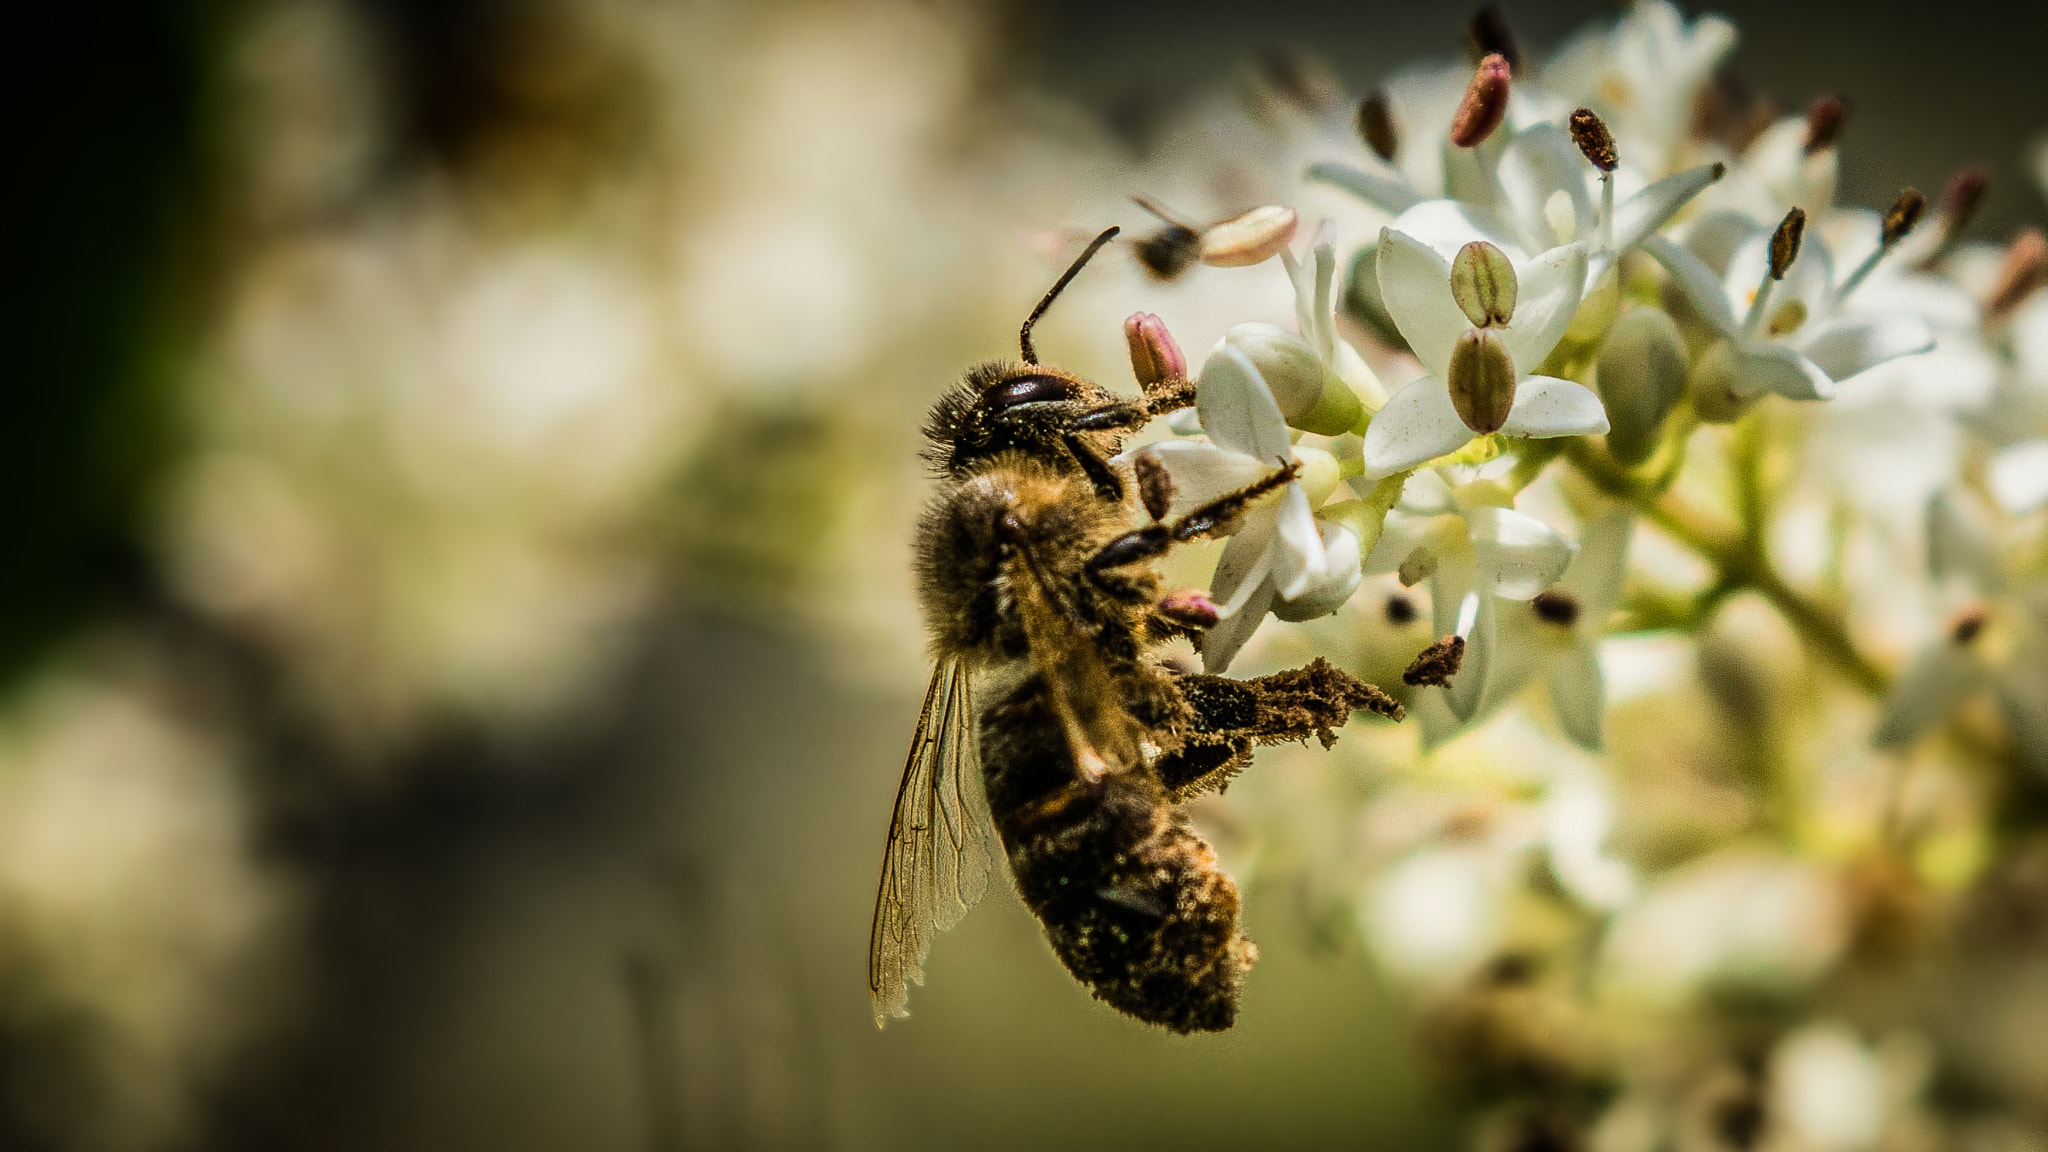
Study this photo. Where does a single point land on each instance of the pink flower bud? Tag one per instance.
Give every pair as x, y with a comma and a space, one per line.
1154, 355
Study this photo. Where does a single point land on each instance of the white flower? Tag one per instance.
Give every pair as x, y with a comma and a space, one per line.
1557, 637
1782, 328
1422, 422
1318, 379
1280, 558
1997, 641
1474, 550
1643, 73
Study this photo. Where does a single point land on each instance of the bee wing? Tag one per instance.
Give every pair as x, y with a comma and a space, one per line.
1102, 736
940, 848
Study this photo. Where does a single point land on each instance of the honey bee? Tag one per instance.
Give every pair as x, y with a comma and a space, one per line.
1037, 584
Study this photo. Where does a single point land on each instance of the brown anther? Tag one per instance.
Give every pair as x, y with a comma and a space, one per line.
1485, 104
1968, 625
1436, 664
1400, 610
1376, 125
1190, 608
1488, 35
2022, 273
1785, 242
1301, 80
1554, 607
1155, 486
1595, 142
1904, 213
1824, 122
2025, 270
1963, 197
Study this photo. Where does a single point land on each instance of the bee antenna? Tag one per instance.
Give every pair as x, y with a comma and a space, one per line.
1052, 293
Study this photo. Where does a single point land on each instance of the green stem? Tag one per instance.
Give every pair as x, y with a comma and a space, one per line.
1741, 562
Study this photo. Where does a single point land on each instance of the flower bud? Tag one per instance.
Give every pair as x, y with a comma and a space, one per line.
1715, 385
1376, 125
1329, 592
1484, 285
1641, 376
1485, 103
1288, 363
1482, 380
1155, 357
1595, 142
1785, 242
1248, 238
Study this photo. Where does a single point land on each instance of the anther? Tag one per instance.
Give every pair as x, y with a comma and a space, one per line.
1400, 610
1963, 197
1436, 664
1554, 607
1785, 242
1904, 213
1485, 104
1595, 142
1155, 485
1483, 284
1481, 380
1967, 626
1155, 357
2025, 270
1190, 608
1824, 122
1376, 125
1247, 238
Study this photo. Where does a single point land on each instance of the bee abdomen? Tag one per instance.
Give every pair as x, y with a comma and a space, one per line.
1132, 900
1139, 911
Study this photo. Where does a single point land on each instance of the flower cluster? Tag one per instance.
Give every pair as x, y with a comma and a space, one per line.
1649, 389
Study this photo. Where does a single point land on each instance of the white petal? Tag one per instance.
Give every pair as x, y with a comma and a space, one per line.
1934, 682
1415, 285
1469, 685
1595, 576
1238, 411
1246, 563
1200, 471
1550, 289
1538, 163
1960, 541
1389, 194
1701, 287
1221, 643
1577, 693
1417, 426
1516, 556
1649, 209
1776, 368
1298, 556
1546, 406
1845, 346
1448, 225
2019, 477
1400, 536
1328, 592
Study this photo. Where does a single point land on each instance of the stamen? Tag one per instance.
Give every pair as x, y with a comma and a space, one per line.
1485, 104
1899, 220
1400, 610
1376, 125
1436, 664
1483, 284
1967, 626
1824, 122
1963, 197
1488, 35
2024, 272
1155, 485
1784, 250
1595, 142
1554, 607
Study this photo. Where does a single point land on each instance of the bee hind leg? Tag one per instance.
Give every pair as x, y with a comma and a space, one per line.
1230, 717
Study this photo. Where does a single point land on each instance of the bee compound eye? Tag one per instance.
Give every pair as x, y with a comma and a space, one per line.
1031, 389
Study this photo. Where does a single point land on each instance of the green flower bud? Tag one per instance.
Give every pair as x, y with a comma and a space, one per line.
1311, 397
1641, 377
1715, 385
1482, 380
1483, 283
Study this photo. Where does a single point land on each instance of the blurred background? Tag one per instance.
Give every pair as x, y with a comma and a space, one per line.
456, 649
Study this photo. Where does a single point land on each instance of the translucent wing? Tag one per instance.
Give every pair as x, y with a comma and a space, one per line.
1101, 735
940, 846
